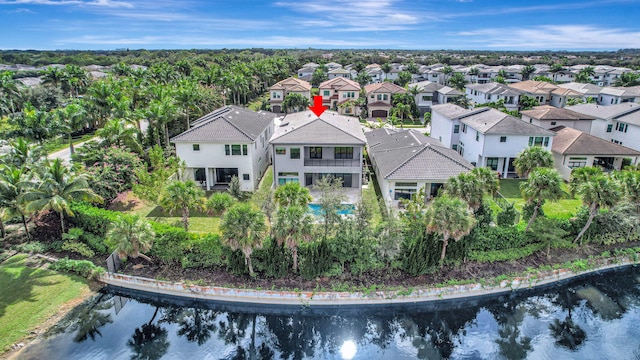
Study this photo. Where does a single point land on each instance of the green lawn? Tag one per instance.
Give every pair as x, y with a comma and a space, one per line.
31, 296
562, 209
60, 143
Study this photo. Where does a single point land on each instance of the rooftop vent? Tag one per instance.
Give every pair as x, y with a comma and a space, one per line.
284, 124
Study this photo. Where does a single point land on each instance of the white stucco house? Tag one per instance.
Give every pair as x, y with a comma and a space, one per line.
486, 136
493, 92
549, 117
406, 161
619, 95
431, 93
619, 123
307, 147
230, 141
574, 149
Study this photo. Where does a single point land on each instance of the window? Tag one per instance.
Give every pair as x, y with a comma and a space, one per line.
553, 122
196, 147
295, 153
244, 149
385, 97
343, 153
426, 98
326, 93
403, 184
546, 141
275, 95
226, 150
281, 151
456, 129
404, 194
492, 163
454, 146
538, 141
477, 135
503, 139
282, 181
236, 150
576, 162
464, 128
315, 153
622, 127
609, 127
379, 97
245, 177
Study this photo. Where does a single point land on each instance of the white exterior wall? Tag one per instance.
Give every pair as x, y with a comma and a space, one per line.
476, 96
424, 103
582, 125
442, 129
604, 99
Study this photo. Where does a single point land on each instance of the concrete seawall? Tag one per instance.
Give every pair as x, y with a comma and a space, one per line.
311, 298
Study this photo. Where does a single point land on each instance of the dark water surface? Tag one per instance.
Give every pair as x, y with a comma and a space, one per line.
592, 317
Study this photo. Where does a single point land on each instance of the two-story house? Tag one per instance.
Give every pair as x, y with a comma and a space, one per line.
619, 123
339, 73
619, 95
230, 141
281, 89
486, 136
307, 148
493, 92
549, 117
590, 92
431, 93
406, 161
379, 98
574, 149
341, 94
547, 93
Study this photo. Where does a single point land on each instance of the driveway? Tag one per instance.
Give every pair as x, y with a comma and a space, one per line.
65, 154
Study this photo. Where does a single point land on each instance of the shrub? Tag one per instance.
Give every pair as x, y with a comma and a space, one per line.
96, 243
78, 248
272, 259
92, 219
202, 251
219, 202
503, 255
527, 211
497, 238
507, 217
168, 245
83, 268
31, 247
315, 259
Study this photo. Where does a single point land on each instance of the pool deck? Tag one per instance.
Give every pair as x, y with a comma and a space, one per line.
313, 298
353, 195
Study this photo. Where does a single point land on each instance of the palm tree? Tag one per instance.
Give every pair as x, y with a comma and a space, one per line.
543, 184
526, 71
116, 132
182, 196
471, 187
363, 78
294, 102
555, 69
9, 93
131, 236
243, 228
12, 183
458, 81
56, 188
402, 110
293, 225
386, 68
449, 217
52, 76
585, 75
628, 79
630, 181
531, 158
582, 175
597, 192
187, 98
447, 71
24, 155
292, 194
72, 118
474, 72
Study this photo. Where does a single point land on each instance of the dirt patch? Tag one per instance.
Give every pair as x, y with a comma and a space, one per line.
126, 201
384, 278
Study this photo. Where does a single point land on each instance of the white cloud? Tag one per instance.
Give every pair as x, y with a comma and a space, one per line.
554, 37
97, 3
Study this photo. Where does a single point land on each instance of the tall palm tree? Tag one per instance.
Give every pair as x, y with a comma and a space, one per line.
597, 192
292, 194
71, 118
243, 228
52, 76
543, 184
457, 81
116, 132
526, 71
56, 188
182, 196
582, 175
9, 93
187, 98
449, 217
531, 158
22, 154
386, 68
474, 72
555, 69
293, 225
471, 187
630, 181
447, 71
131, 236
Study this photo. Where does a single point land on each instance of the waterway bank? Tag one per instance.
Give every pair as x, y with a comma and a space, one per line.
531, 279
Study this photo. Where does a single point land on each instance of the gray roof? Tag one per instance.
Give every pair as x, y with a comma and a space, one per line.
450, 111
330, 128
495, 122
229, 123
410, 155
574, 142
494, 88
606, 112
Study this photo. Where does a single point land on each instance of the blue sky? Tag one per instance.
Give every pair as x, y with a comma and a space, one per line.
386, 24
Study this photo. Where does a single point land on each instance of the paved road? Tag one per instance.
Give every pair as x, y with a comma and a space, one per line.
65, 154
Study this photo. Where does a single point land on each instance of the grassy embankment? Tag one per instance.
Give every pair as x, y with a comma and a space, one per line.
32, 298
565, 208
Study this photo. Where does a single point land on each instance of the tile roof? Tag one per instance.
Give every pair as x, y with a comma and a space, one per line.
584, 89
607, 112
450, 111
620, 91
570, 141
384, 87
340, 84
291, 83
495, 122
494, 88
547, 112
229, 123
426, 86
534, 87
410, 155
330, 128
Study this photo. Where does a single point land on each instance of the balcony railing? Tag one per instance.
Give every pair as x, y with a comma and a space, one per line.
331, 162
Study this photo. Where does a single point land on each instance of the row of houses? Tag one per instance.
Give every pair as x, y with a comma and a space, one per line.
603, 75
303, 147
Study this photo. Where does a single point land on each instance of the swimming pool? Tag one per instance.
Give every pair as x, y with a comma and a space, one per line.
345, 209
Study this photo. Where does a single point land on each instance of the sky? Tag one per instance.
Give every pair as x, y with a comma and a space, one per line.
321, 24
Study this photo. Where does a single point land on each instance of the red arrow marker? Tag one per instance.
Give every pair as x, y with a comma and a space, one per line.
317, 107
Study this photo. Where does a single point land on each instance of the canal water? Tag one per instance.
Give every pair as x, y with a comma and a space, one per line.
591, 317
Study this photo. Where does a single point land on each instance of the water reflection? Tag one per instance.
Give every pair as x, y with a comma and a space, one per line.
594, 317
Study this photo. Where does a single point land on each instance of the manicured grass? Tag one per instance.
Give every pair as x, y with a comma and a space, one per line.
562, 209
60, 143
31, 296
370, 198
